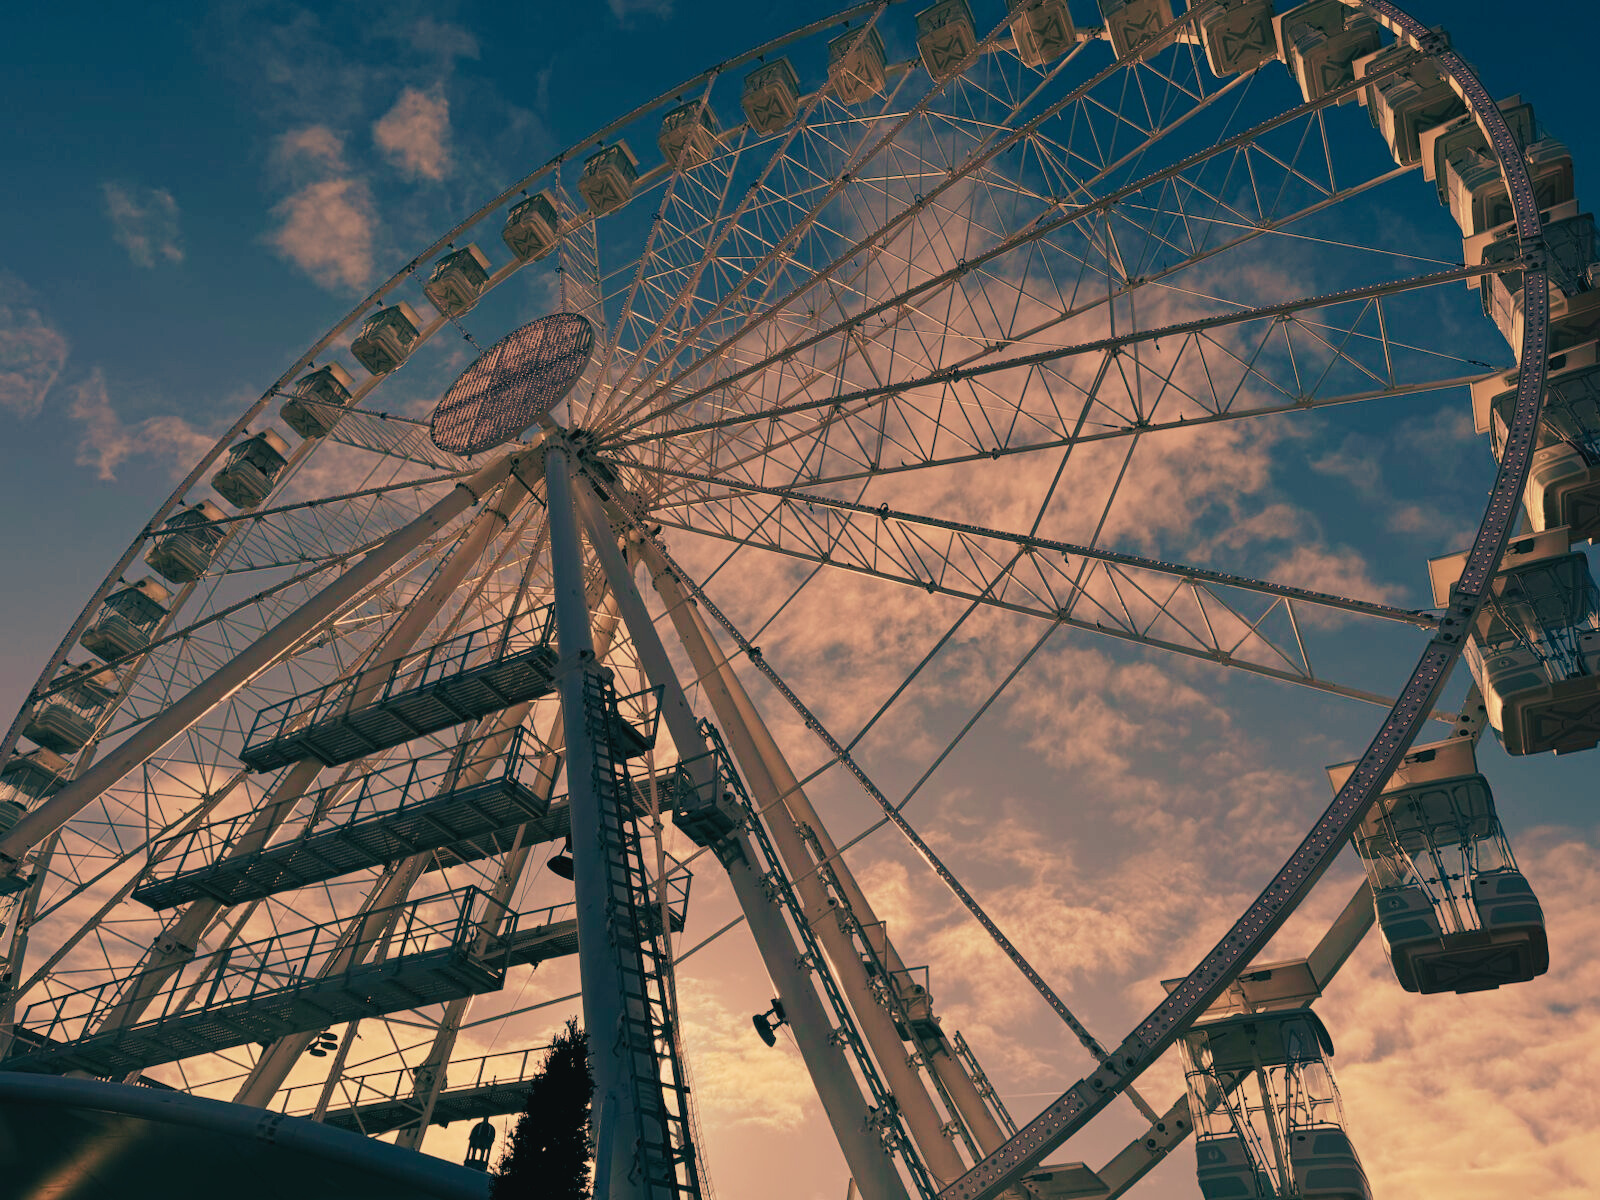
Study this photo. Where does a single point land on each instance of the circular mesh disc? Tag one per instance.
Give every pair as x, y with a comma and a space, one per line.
513, 383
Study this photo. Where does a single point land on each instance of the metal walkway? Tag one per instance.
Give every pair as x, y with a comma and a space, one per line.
453, 800
457, 680
555, 824
537, 941
491, 1086
371, 828
264, 990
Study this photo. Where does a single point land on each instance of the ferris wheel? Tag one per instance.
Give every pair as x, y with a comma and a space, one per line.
838, 387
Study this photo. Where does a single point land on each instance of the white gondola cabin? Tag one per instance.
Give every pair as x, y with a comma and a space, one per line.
1535, 647
387, 338
1574, 321
771, 96
66, 720
1042, 30
1131, 24
1238, 36
856, 65
532, 227
318, 397
1321, 42
124, 622
688, 136
1268, 1120
1564, 481
253, 467
457, 280
183, 547
1454, 912
1570, 256
606, 182
945, 36
26, 779
1457, 158
1405, 104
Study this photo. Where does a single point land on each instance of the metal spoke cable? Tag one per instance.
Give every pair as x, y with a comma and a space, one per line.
324, 501
858, 408
1040, 227
856, 162
943, 641
983, 153
955, 741
188, 631
793, 496
960, 373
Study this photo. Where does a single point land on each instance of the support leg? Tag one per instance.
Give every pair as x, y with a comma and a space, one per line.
923, 1119
282, 638
600, 973
870, 1165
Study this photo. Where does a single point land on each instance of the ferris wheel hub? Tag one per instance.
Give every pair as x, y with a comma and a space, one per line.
514, 384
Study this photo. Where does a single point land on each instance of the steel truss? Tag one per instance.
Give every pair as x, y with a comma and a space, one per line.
1055, 272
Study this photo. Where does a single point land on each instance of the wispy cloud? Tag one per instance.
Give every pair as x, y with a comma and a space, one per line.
442, 38
32, 352
108, 440
326, 230
738, 1081
626, 10
313, 148
144, 222
413, 135
325, 227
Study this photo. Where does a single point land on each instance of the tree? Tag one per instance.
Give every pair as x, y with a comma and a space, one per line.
548, 1155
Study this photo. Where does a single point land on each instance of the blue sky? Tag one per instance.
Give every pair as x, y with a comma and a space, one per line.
160, 269
174, 115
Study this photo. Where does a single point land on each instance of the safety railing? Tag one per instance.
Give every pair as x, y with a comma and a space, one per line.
286, 961
474, 650
352, 1093
385, 791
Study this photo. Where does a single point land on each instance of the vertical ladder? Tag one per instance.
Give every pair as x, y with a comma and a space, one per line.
665, 1156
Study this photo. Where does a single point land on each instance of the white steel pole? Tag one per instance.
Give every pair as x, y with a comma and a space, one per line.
870, 1165
363, 936
939, 1055
600, 975
250, 662
877, 1025
431, 1074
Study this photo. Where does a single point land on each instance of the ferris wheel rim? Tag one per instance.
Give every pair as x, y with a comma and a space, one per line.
1402, 25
